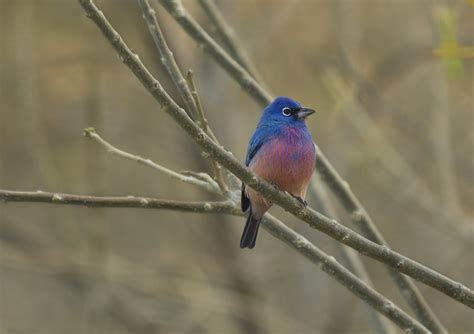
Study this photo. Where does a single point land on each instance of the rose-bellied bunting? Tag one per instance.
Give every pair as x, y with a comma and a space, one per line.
281, 152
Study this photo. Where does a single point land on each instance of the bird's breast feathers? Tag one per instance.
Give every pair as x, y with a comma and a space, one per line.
287, 160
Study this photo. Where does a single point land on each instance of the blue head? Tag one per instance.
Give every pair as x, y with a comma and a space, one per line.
285, 111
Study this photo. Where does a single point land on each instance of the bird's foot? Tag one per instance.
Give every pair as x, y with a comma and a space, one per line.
276, 188
301, 200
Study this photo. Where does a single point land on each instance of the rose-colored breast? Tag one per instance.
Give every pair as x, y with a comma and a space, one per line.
286, 161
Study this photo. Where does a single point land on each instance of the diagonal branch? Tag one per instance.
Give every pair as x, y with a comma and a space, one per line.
207, 129
167, 58
316, 220
202, 118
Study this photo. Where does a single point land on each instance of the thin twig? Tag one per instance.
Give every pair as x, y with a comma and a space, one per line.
316, 220
118, 202
227, 36
166, 56
208, 184
330, 176
202, 117
279, 230
207, 129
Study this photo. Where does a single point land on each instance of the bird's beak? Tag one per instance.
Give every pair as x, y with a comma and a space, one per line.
304, 112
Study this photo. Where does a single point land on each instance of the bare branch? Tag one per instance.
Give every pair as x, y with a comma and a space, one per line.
316, 220
202, 117
205, 126
167, 57
208, 184
118, 202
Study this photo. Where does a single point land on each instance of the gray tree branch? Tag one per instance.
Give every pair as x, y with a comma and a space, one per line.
207, 129
118, 202
166, 57
202, 179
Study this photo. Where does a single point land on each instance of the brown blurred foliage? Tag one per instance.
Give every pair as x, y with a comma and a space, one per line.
394, 117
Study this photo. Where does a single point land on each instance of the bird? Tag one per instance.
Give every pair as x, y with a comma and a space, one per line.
282, 152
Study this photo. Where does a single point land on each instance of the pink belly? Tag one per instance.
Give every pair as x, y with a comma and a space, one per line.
289, 167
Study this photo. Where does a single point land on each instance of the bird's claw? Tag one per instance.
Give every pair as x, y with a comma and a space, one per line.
301, 200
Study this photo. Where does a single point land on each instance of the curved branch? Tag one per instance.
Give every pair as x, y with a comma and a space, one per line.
316, 220
206, 183
167, 58
207, 129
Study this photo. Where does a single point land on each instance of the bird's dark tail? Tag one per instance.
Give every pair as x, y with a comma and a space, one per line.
249, 236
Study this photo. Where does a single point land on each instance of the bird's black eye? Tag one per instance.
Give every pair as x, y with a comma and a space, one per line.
286, 111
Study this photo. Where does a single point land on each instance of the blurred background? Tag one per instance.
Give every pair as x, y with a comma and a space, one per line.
393, 85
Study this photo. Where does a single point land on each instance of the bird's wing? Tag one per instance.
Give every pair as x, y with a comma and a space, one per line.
257, 141
255, 144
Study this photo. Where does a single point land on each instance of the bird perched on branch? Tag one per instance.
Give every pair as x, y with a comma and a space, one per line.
281, 152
